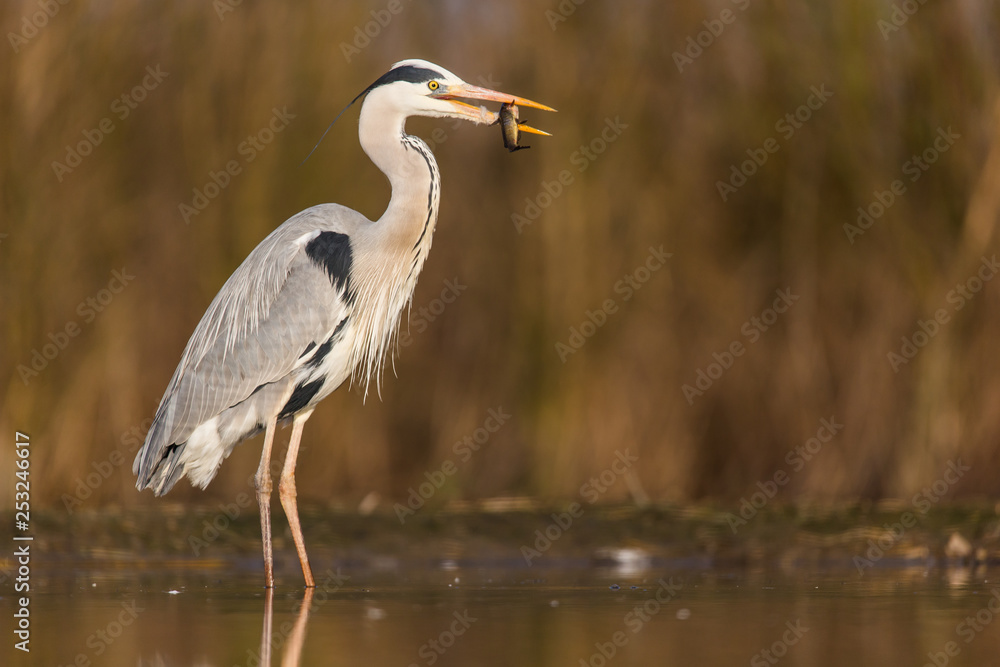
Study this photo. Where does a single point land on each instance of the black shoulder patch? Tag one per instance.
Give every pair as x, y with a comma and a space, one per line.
331, 252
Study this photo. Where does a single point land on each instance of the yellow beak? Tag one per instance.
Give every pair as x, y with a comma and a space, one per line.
482, 114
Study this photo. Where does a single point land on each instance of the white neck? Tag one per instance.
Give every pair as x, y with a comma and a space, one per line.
391, 251
408, 164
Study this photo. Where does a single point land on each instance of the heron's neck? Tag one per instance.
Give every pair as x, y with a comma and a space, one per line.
391, 252
409, 165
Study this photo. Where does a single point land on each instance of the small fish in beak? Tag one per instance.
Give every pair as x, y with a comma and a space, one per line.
509, 126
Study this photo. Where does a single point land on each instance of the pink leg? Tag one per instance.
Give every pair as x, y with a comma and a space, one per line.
286, 491
263, 483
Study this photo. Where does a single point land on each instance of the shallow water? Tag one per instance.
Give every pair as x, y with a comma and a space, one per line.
564, 614
621, 586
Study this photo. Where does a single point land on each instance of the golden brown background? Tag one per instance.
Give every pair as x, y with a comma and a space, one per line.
63, 236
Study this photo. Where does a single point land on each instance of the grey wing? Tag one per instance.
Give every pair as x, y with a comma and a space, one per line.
290, 292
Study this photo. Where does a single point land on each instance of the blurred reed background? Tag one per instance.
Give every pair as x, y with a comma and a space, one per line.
679, 133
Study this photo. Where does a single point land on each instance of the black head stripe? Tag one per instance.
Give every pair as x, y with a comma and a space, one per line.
409, 73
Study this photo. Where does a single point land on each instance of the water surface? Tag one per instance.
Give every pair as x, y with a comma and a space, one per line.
463, 613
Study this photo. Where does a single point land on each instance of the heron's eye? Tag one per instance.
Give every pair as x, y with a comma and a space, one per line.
433, 85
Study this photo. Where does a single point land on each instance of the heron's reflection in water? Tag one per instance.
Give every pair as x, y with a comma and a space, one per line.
293, 644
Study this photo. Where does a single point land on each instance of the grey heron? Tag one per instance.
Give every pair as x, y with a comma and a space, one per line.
318, 301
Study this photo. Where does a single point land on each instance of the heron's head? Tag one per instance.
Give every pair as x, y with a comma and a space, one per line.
420, 88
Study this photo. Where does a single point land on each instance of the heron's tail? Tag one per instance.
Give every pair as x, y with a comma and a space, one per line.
159, 464
197, 450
